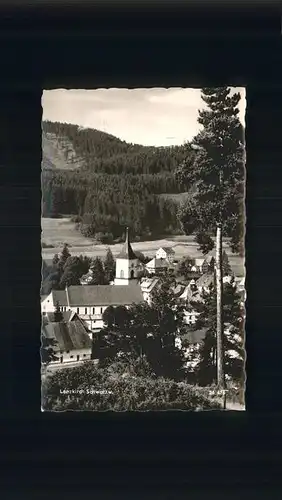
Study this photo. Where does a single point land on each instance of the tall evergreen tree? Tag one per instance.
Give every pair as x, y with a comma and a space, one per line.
63, 257
72, 272
233, 337
110, 266
56, 259
47, 350
218, 172
98, 273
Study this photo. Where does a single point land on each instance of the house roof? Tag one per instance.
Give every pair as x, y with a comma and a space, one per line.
209, 259
168, 250
147, 284
157, 263
126, 251
69, 336
205, 280
100, 295
191, 295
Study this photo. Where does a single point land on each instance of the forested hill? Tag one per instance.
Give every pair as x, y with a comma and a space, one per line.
108, 182
99, 152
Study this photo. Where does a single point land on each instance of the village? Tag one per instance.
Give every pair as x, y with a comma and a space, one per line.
73, 317
143, 278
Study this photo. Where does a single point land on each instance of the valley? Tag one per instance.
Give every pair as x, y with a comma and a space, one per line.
56, 232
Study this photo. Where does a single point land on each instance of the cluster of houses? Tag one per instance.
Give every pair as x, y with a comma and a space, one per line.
82, 306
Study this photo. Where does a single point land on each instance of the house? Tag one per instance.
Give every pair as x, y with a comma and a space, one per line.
166, 253
156, 266
192, 340
204, 265
67, 316
240, 283
71, 340
198, 264
90, 301
147, 286
205, 282
86, 278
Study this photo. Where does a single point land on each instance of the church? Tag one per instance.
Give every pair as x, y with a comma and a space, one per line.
127, 264
90, 301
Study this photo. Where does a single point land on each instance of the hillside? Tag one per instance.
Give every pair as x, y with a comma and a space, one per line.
108, 183
59, 153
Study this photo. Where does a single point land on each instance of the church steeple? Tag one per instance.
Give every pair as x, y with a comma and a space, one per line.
127, 252
127, 264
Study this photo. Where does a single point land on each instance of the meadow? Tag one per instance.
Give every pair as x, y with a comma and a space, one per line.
56, 232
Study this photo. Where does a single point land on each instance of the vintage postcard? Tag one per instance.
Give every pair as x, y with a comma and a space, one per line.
143, 228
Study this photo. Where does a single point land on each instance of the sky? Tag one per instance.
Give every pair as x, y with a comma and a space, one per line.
152, 117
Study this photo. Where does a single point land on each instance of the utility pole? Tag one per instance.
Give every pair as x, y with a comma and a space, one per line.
219, 323
219, 305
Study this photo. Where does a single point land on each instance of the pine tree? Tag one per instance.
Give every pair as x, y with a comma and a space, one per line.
233, 338
65, 253
205, 242
184, 267
63, 257
218, 173
47, 350
110, 266
56, 259
98, 273
226, 268
72, 271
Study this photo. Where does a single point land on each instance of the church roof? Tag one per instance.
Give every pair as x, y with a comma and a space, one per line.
99, 295
127, 252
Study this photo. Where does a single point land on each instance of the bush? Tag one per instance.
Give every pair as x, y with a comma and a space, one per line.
104, 238
76, 218
116, 389
46, 245
87, 230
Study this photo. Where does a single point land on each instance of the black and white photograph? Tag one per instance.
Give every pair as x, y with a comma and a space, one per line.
143, 249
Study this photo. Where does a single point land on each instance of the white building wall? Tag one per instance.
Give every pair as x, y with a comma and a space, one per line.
47, 304
161, 254
190, 317
72, 356
124, 268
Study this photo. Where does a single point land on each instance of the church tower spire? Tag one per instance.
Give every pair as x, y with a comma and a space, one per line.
127, 252
127, 264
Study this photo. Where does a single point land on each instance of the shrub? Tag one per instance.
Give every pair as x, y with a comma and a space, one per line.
104, 237
46, 245
114, 389
76, 218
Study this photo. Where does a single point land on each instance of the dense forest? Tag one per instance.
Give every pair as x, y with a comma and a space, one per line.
106, 183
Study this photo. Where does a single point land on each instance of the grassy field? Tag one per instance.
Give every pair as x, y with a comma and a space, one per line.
56, 232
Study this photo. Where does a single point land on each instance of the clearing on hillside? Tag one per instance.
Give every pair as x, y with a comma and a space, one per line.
58, 153
56, 232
